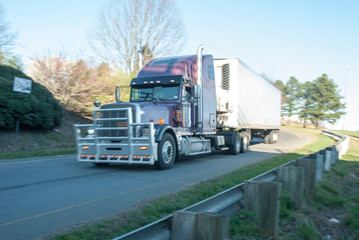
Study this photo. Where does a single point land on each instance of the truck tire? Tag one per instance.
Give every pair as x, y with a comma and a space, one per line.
244, 142
274, 136
266, 139
235, 148
271, 138
166, 152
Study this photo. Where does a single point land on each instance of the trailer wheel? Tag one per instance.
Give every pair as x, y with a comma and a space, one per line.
166, 152
244, 142
274, 136
271, 138
236, 147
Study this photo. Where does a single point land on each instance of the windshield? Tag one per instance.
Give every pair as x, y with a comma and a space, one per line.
156, 92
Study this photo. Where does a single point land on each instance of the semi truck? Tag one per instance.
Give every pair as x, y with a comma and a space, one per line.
182, 106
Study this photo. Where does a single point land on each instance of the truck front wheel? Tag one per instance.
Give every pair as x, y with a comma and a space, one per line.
166, 152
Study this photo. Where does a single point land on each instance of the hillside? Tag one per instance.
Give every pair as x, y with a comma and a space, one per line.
45, 142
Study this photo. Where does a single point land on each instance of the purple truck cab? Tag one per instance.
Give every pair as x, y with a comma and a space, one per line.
176, 78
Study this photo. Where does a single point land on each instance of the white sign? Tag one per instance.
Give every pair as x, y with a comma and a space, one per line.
22, 85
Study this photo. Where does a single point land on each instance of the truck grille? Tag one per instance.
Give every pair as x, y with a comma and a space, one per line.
104, 120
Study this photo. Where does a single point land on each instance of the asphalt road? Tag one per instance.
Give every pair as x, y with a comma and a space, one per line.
43, 195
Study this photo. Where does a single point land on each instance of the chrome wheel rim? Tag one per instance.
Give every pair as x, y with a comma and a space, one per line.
167, 152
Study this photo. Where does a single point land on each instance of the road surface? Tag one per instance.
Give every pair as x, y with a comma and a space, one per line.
40, 196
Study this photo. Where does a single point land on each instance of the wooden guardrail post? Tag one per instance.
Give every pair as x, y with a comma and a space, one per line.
310, 170
334, 154
338, 147
263, 198
198, 226
212, 226
327, 159
343, 146
292, 179
320, 165
184, 225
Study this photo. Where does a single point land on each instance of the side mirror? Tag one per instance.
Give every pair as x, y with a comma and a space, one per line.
118, 94
97, 103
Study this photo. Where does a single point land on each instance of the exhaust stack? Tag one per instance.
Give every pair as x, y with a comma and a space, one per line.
199, 88
140, 60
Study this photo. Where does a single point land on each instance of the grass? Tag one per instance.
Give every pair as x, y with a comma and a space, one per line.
352, 219
308, 231
27, 154
32, 143
244, 223
166, 205
338, 196
29, 143
353, 152
329, 188
325, 198
348, 133
350, 165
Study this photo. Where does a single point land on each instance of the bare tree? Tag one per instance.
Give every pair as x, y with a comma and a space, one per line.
126, 26
72, 83
6, 41
6, 38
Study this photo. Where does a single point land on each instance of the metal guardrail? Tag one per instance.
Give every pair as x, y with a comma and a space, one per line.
343, 145
227, 202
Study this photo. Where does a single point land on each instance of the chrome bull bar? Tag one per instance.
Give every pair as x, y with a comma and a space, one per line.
115, 138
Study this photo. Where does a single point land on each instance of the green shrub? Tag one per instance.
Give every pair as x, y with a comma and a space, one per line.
36, 110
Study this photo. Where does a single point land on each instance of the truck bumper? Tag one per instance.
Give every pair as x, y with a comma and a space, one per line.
102, 146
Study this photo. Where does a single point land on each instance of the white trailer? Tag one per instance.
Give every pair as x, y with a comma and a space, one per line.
245, 100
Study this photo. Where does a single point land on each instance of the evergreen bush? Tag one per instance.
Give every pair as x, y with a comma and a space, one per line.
38, 110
